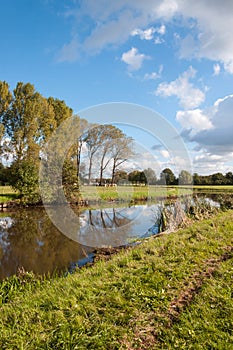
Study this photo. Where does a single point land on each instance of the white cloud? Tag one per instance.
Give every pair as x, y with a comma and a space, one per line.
212, 37
133, 58
216, 138
217, 69
158, 40
69, 52
162, 30
147, 34
97, 24
164, 153
206, 163
194, 119
189, 96
154, 75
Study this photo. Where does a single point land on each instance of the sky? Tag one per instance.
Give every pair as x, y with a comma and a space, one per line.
174, 57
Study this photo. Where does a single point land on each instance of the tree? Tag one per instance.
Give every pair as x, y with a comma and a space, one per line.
93, 142
28, 119
229, 178
137, 177
5, 101
24, 178
84, 126
121, 176
168, 177
121, 151
150, 176
218, 179
109, 136
185, 178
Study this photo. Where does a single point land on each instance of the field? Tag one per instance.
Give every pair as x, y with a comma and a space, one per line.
129, 193
171, 292
7, 194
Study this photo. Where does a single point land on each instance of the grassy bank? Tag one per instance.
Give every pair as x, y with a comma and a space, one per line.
171, 292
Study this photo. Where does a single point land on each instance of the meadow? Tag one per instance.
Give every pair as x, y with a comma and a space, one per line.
128, 193
7, 193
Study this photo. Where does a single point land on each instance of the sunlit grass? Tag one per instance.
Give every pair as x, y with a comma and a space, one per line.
131, 193
7, 193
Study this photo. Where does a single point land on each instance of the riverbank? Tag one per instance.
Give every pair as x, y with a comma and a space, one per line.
169, 292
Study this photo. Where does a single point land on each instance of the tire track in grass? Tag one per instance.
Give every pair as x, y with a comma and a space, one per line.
178, 305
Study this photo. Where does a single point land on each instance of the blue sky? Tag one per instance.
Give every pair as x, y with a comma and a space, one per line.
172, 56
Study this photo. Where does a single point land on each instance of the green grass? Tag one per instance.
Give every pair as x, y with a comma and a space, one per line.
131, 193
170, 292
7, 193
211, 189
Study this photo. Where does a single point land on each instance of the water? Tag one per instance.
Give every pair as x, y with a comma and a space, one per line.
28, 239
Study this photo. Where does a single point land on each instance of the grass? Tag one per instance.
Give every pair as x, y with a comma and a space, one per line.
131, 193
170, 292
7, 193
212, 189
128, 193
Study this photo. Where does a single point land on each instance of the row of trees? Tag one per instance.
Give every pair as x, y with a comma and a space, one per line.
27, 121
184, 178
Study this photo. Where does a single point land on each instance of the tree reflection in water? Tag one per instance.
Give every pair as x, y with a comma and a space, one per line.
29, 239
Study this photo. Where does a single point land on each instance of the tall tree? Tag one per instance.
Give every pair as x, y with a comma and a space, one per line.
21, 121
168, 176
29, 120
93, 142
150, 176
109, 134
5, 101
83, 134
185, 178
121, 151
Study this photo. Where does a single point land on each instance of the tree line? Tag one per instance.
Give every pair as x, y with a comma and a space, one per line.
167, 177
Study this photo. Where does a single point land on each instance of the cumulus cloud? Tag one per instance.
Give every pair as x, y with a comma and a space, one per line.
216, 137
97, 24
206, 163
189, 96
133, 58
165, 153
211, 37
148, 34
194, 119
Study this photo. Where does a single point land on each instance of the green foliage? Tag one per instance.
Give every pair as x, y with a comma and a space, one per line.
185, 178
167, 177
27, 120
137, 177
24, 179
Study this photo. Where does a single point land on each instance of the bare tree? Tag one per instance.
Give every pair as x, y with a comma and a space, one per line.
122, 150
